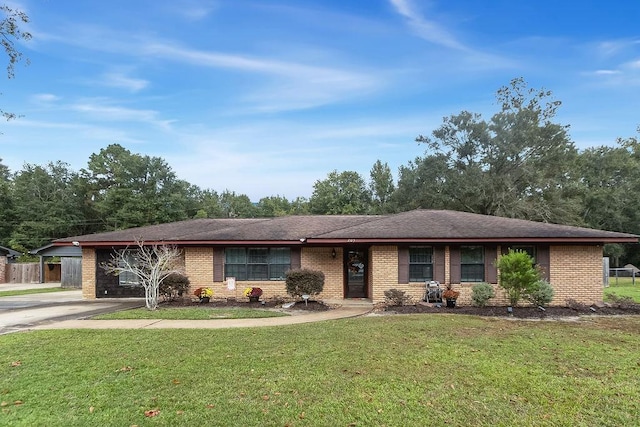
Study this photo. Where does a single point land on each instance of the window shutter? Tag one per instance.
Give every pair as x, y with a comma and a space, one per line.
295, 258
403, 265
218, 264
490, 270
454, 257
438, 264
543, 261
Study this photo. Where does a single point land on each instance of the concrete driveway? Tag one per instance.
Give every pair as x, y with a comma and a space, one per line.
26, 311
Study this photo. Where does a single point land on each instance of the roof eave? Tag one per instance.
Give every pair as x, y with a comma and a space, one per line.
566, 240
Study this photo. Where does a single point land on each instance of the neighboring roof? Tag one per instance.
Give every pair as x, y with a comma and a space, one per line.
9, 252
61, 251
426, 226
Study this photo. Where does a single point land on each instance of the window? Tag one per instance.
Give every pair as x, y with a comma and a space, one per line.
530, 250
257, 263
127, 278
420, 264
471, 263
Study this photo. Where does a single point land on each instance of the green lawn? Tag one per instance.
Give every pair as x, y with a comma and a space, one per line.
191, 313
623, 288
34, 291
413, 370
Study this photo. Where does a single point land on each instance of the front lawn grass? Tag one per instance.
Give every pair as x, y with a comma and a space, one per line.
623, 288
191, 313
409, 370
34, 291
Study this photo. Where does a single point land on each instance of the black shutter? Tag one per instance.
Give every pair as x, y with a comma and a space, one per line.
403, 265
543, 261
438, 264
295, 258
454, 260
490, 270
218, 265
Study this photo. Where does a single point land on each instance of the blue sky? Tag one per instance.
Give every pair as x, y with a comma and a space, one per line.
265, 97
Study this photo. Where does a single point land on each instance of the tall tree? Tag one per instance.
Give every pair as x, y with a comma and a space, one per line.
381, 187
129, 190
209, 204
236, 205
7, 217
611, 178
517, 164
273, 206
10, 33
299, 206
340, 193
45, 205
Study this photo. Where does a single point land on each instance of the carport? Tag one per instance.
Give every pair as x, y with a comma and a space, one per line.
70, 263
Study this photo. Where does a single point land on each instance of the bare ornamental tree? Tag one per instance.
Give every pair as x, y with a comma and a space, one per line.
151, 264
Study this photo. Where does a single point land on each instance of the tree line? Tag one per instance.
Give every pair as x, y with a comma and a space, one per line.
519, 163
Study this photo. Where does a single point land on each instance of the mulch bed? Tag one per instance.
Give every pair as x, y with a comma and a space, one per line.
517, 312
272, 304
521, 312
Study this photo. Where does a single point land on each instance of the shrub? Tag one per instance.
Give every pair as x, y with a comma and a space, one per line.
481, 293
621, 301
517, 275
541, 294
174, 286
396, 297
304, 281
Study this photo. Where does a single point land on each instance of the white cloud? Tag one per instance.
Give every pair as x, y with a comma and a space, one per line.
289, 85
44, 98
120, 80
98, 110
427, 29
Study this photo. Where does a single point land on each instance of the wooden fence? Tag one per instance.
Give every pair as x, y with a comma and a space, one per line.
23, 272
29, 272
71, 273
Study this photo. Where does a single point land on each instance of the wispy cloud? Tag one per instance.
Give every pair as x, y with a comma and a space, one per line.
429, 30
612, 48
293, 85
120, 80
193, 10
44, 98
105, 112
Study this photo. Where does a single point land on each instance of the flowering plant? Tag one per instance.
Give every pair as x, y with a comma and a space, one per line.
450, 293
203, 293
252, 292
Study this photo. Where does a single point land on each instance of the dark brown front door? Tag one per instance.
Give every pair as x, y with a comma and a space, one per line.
355, 265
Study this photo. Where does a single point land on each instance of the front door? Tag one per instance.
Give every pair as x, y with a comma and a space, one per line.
355, 263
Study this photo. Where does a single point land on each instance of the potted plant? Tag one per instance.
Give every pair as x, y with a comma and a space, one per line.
253, 294
451, 296
204, 294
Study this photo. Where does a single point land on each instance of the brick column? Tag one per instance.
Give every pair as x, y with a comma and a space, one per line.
3, 269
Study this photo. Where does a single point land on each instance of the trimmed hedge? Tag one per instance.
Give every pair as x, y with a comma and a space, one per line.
304, 281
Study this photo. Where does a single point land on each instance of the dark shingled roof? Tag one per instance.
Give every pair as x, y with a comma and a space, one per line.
413, 226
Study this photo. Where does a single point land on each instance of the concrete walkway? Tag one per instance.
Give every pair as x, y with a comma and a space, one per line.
337, 313
67, 310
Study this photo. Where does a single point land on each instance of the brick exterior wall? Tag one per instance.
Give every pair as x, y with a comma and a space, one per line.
198, 267
320, 259
576, 273
383, 265
3, 269
88, 273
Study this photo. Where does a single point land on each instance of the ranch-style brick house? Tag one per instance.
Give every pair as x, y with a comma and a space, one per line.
361, 256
